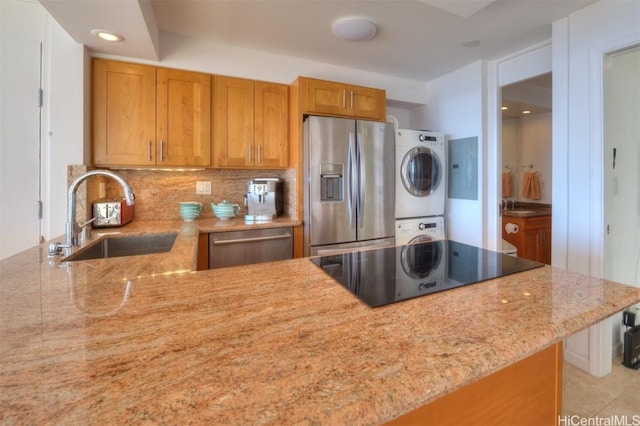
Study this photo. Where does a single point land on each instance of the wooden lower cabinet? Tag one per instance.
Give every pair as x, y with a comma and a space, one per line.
533, 239
528, 392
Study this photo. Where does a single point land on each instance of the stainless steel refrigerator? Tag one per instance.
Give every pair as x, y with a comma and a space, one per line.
349, 172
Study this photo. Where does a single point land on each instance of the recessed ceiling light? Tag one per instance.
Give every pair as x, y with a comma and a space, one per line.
504, 108
107, 35
526, 111
354, 29
474, 42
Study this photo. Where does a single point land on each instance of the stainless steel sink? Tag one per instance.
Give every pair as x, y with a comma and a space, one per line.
118, 246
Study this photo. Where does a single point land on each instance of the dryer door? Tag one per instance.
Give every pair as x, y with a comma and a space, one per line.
421, 171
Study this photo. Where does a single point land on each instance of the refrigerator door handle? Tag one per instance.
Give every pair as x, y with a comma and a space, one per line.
351, 179
362, 179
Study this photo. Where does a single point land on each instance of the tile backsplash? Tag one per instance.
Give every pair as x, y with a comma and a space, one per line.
159, 191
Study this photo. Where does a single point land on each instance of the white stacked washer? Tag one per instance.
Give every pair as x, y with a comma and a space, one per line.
420, 230
420, 173
420, 186
420, 267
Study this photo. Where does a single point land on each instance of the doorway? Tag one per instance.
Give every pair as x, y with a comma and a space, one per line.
621, 156
526, 140
526, 134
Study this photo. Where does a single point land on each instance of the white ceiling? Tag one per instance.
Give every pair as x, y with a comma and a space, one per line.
416, 39
533, 95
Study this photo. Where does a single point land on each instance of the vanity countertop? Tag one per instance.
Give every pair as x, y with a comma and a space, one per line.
525, 210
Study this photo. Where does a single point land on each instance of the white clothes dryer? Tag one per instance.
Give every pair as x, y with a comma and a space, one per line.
420, 173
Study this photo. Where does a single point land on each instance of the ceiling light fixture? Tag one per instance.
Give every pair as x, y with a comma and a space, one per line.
474, 42
504, 108
526, 111
107, 35
354, 29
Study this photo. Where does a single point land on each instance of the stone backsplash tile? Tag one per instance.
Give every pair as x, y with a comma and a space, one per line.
158, 192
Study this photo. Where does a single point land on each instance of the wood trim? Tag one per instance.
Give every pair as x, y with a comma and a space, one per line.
295, 160
203, 252
298, 249
528, 392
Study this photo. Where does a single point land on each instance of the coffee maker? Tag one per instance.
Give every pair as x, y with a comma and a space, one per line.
263, 200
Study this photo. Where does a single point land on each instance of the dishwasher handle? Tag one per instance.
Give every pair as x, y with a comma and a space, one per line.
251, 239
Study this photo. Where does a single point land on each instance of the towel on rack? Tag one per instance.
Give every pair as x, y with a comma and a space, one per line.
506, 184
531, 186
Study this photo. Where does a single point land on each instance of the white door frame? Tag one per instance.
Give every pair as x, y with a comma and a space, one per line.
525, 64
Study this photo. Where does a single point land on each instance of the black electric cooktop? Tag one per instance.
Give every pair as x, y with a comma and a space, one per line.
383, 276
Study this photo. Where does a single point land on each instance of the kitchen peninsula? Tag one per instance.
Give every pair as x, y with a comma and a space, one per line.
146, 339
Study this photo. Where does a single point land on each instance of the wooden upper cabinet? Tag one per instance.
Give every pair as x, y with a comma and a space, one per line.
251, 123
232, 122
366, 102
338, 99
147, 116
183, 118
124, 113
271, 124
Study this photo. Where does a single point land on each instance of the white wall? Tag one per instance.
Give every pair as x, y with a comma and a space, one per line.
19, 125
534, 147
621, 93
578, 212
66, 124
26, 27
579, 43
455, 107
509, 147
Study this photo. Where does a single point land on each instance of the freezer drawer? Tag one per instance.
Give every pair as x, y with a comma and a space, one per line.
245, 247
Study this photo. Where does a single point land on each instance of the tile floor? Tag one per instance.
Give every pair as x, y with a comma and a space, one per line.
615, 395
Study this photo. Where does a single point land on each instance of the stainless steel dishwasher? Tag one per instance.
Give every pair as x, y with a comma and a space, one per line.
253, 246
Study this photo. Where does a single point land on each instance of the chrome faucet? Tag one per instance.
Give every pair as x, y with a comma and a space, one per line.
71, 226
505, 204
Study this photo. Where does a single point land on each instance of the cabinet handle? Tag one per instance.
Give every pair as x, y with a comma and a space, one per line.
344, 98
161, 149
259, 154
149, 150
352, 99
252, 239
250, 154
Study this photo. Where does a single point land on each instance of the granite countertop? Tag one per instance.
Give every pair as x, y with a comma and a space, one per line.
109, 342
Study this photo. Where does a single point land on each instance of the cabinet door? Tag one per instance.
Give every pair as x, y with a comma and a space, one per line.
324, 97
183, 118
543, 250
530, 246
124, 113
271, 125
365, 102
233, 122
